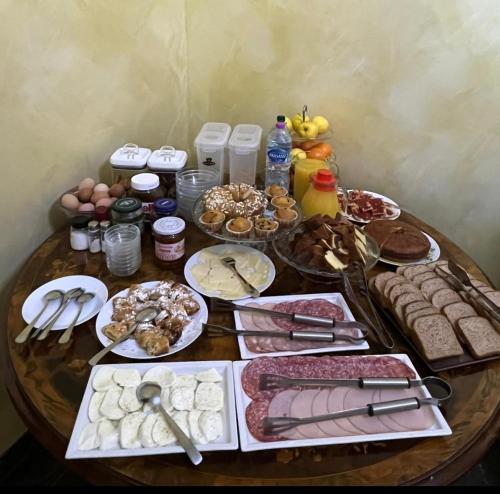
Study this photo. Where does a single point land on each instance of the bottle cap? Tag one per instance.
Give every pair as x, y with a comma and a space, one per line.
281, 118
93, 225
324, 180
105, 224
80, 222
165, 206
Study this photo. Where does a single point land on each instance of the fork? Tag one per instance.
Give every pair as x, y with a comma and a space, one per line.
230, 263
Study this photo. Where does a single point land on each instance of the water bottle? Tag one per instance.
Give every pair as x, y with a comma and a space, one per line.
278, 154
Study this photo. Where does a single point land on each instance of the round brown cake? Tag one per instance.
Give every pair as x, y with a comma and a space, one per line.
399, 241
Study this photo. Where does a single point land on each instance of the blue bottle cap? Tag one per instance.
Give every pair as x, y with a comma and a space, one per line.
165, 206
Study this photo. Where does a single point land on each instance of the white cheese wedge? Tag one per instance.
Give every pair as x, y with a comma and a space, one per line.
127, 377
146, 431
109, 407
210, 424
103, 379
88, 438
194, 428
209, 396
181, 419
108, 434
161, 374
162, 434
182, 398
128, 401
186, 381
95, 404
129, 430
209, 376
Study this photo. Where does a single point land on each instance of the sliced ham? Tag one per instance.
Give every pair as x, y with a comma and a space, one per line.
336, 404
280, 407
301, 407
330, 428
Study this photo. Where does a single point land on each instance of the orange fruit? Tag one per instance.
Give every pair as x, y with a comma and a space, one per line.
307, 145
316, 153
326, 148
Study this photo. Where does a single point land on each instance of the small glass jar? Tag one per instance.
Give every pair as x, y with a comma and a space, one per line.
169, 235
79, 239
128, 210
164, 207
103, 226
146, 187
94, 237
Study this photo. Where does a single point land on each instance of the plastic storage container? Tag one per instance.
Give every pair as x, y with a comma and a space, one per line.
131, 157
210, 145
244, 145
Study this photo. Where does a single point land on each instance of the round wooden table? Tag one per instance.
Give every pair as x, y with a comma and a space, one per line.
46, 382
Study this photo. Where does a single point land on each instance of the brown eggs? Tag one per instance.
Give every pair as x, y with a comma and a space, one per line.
69, 201
117, 190
85, 194
86, 183
88, 207
101, 188
98, 195
105, 201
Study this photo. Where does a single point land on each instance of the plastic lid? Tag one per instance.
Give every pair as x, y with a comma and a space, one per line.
145, 181
281, 118
246, 136
167, 158
169, 226
79, 222
126, 205
324, 180
130, 156
213, 134
165, 206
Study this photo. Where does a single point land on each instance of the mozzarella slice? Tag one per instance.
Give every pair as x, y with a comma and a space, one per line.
103, 380
162, 434
209, 396
160, 374
210, 424
182, 398
194, 428
146, 431
186, 381
108, 434
129, 430
165, 399
127, 377
88, 438
95, 404
128, 401
109, 407
209, 376
181, 419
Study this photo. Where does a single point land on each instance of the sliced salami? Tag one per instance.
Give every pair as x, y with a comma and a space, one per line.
255, 414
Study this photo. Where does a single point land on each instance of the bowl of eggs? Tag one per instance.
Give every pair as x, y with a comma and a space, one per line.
88, 196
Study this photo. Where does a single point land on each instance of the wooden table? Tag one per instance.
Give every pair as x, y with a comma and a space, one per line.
46, 383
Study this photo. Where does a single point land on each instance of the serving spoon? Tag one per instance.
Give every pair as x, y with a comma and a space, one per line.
81, 301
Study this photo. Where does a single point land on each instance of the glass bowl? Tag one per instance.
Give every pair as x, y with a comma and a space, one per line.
69, 212
284, 252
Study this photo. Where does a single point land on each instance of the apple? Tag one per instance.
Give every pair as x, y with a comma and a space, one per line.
298, 154
288, 124
308, 130
298, 120
322, 124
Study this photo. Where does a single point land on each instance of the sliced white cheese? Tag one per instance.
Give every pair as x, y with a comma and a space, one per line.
194, 428
108, 434
88, 438
181, 419
94, 405
162, 434
128, 401
182, 398
146, 431
210, 424
209, 376
109, 407
334, 261
127, 377
160, 374
103, 379
129, 430
165, 399
209, 396
186, 381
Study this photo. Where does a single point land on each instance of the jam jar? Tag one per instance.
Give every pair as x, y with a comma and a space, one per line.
164, 207
128, 210
146, 187
169, 235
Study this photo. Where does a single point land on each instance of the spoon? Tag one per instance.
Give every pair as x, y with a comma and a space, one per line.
47, 298
68, 296
81, 301
230, 263
150, 392
145, 315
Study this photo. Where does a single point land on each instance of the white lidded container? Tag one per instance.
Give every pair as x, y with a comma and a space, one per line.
167, 159
210, 145
130, 156
244, 145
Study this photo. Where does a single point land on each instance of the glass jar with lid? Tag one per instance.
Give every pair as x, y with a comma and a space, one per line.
128, 210
146, 187
79, 239
169, 235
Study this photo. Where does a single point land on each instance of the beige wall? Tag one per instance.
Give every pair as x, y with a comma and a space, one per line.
412, 88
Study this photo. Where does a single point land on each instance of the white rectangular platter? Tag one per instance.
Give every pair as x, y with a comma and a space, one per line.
335, 298
228, 440
249, 443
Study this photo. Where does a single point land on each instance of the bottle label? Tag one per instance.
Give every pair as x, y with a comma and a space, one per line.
277, 155
169, 252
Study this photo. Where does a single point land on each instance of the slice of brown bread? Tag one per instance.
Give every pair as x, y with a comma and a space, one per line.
485, 289
412, 271
478, 283
457, 311
403, 300
420, 278
435, 264
430, 287
480, 336
417, 305
494, 297
413, 316
381, 279
390, 283
401, 269
401, 288
436, 338
444, 297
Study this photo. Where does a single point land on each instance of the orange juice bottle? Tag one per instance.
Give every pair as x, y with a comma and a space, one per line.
321, 197
301, 179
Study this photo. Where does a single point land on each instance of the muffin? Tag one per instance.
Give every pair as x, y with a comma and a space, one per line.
283, 202
212, 220
239, 227
285, 216
275, 190
265, 227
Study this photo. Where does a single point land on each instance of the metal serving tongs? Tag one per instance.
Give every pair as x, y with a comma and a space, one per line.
378, 328
327, 336
275, 425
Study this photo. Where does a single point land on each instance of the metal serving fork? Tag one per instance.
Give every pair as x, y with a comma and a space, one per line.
230, 263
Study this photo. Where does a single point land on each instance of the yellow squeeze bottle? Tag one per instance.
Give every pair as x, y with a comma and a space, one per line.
303, 170
321, 197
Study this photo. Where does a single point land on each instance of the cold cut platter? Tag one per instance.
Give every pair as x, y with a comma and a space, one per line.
255, 405
331, 305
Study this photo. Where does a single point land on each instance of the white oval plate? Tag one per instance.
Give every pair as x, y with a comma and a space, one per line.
130, 349
221, 249
34, 303
378, 196
433, 255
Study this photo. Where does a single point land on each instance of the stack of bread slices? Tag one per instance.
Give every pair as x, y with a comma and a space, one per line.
435, 314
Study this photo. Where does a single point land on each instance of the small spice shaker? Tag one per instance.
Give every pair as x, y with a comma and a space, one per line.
78, 238
94, 237
104, 225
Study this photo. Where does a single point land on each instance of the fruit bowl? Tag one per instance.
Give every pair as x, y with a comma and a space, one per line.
70, 213
298, 141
